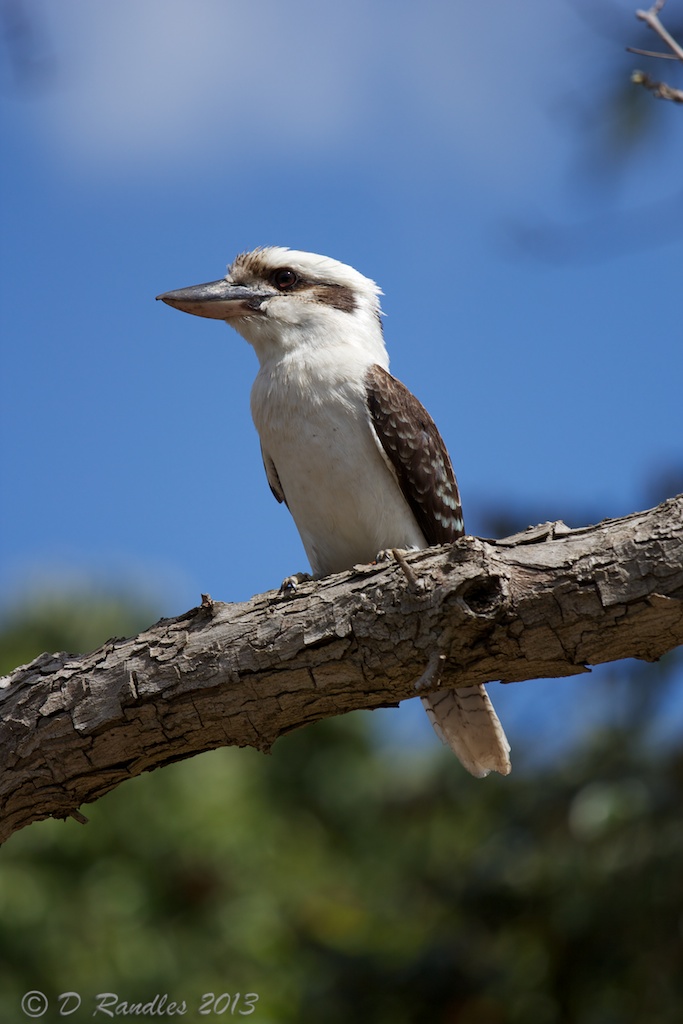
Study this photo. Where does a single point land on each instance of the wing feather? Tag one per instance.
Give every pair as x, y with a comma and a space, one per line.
272, 476
415, 449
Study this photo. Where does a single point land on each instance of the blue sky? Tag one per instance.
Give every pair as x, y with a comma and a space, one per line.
449, 151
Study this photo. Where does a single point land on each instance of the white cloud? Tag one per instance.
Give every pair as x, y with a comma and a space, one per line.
177, 82
154, 79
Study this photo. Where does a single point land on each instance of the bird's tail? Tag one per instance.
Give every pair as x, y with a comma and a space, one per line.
466, 720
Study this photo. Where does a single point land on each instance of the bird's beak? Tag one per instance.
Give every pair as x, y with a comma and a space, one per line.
219, 300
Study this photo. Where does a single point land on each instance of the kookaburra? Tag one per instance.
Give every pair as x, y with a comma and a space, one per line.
355, 457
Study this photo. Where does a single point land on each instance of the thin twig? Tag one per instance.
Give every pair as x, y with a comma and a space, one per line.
431, 676
650, 18
415, 583
660, 90
651, 53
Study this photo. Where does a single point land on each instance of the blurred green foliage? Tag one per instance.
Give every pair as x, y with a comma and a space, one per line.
69, 620
344, 881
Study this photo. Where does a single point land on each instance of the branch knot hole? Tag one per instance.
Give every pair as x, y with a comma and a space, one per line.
483, 596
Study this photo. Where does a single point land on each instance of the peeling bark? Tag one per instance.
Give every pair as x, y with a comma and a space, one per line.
548, 602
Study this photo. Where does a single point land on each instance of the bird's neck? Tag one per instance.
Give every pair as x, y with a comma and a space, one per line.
320, 345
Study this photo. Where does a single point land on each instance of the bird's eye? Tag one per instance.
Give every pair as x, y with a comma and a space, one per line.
284, 279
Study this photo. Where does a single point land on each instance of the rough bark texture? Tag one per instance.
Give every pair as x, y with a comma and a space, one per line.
547, 602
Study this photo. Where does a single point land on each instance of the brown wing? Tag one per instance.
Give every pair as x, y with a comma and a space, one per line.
416, 450
272, 476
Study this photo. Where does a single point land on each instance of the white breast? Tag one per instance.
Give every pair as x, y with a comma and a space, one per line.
339, 487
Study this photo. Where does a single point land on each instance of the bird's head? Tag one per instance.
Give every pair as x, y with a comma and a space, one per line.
282, 300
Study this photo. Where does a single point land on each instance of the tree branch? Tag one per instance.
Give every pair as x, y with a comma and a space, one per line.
548, 602
650, 17
659, 89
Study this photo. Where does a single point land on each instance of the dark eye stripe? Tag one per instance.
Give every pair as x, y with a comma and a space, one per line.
336, 295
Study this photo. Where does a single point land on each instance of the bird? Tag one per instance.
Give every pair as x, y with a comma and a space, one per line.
350, 451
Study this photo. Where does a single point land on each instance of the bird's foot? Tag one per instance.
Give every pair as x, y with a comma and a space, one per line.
289, 585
